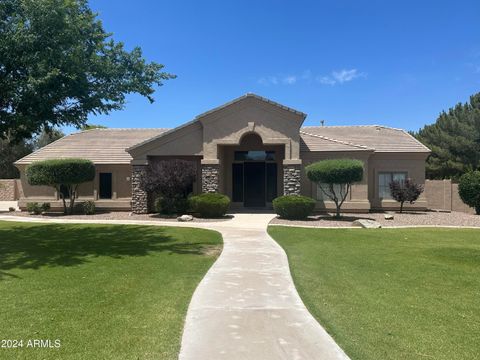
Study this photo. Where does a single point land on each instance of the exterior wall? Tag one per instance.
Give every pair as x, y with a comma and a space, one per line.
411, 163
9, 189
121, 189
443, 195
357, 199
275, 126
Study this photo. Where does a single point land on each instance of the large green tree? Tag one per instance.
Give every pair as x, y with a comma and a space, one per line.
454, 140
58, 65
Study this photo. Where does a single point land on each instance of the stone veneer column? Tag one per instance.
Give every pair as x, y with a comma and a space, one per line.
291, 177
210, 177
139, 196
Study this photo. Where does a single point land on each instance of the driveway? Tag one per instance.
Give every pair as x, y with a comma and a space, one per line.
246, 307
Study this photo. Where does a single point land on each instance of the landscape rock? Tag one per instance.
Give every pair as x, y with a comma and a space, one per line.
388, 216
367, 224
185, 218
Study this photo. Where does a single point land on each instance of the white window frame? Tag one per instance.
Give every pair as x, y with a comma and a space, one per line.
386, 188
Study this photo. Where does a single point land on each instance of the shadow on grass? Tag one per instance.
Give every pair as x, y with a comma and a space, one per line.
35, 246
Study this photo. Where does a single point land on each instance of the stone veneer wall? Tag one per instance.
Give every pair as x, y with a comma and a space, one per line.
210, 178
139, 196
8, 190
291, 179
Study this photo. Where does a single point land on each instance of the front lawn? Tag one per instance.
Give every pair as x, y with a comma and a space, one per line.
104, 291
390, 294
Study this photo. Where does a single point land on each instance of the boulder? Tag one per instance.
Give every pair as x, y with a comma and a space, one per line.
185, 218
388, 216
368, 224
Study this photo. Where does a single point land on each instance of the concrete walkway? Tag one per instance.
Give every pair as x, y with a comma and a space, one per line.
246, 307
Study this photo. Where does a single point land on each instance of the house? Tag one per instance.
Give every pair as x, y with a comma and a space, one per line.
251, 149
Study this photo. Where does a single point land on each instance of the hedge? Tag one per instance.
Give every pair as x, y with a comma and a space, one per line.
210, 205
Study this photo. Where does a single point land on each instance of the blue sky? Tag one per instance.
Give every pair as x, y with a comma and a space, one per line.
396, 63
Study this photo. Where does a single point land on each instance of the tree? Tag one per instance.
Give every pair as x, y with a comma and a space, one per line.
11, 151
469, 190
65, 175
58, 65
335, 177
47, 137
454, 140
405, 191
173, 180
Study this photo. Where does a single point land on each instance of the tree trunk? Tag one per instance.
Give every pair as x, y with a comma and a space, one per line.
64, 205
401, 206
337, 213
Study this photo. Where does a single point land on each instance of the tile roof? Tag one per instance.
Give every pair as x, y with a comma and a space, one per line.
102, 146
374, 137
108, 146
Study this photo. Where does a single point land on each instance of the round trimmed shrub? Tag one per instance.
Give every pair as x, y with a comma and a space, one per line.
168, 206
469, 189
335, 171
210, 205
293, 207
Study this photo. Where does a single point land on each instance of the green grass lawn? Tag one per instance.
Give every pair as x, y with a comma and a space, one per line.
391, 294
106, 292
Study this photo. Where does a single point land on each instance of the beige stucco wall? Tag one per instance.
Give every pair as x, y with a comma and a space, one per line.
273, 124
121, 188
357, 199
411, 163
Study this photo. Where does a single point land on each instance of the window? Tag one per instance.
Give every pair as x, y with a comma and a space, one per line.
105, 182
254, 155
384, 180
336, 187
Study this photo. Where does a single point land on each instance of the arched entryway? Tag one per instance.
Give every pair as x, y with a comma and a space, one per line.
252, 171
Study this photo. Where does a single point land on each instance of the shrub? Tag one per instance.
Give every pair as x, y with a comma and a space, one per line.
176, 205
328, 173
58, 173
34, 208
11, 209
89, 207
293, 207
45, 207
405, 191
469, 189
210, 205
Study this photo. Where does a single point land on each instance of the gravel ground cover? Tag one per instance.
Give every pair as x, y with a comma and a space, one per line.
423, 218
113, 215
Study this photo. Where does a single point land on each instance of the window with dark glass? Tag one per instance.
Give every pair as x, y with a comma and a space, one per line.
271, 174
254, 155
105, 186
237, 182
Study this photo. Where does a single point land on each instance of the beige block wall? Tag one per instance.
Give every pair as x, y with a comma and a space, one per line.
443, 195
8, 190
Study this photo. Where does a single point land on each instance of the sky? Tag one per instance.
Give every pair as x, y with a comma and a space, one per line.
394, 63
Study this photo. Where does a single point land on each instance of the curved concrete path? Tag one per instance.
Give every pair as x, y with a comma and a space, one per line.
246, 307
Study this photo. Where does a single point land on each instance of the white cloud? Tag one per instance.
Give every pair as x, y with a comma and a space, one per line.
340, 76
335, 77
289, 80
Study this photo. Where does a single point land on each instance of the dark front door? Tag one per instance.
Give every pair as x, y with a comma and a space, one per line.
105, 185
254, 185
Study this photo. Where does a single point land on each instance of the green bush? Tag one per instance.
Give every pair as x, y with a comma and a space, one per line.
168, 206
469, 189
11, 209
45, 207
34, 208
293, 207
89, 207
335, 171
210, 205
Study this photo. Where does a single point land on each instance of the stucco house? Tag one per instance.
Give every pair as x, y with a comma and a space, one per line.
251, 149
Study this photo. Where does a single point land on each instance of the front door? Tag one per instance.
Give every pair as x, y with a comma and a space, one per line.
105, 186
254, 185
